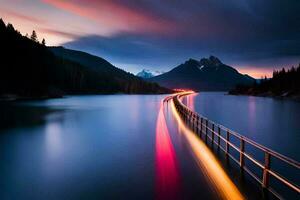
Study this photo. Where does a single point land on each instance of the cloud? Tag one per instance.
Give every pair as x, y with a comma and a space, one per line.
140, 48
59, 33
114, 16
134, 49
22, 17
162, 34
164, 53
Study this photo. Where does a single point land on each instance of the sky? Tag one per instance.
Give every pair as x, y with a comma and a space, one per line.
254, 36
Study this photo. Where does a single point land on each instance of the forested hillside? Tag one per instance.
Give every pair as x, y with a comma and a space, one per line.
283, 83
127, 81
29, 69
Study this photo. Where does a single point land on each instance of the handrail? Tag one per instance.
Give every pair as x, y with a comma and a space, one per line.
195, 120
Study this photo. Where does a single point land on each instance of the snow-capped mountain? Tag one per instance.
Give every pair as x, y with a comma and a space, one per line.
145, 73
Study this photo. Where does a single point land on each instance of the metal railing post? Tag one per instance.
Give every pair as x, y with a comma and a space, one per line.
213, 134
242, 149
201, 127
227, 144
219, 135
194, 122
206, 130
197, 129
191, 120
266, 175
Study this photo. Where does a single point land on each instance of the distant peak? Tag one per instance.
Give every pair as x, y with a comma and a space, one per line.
215, 60
191, 61
146, 73
211, 61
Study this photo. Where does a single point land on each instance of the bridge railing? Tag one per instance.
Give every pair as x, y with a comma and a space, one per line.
226, 139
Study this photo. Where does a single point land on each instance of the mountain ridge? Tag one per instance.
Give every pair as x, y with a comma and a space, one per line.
206, 74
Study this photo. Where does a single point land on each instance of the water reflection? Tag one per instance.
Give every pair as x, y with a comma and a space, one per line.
208, 163
252, 110
53, 138
271, 122
190, 101
15, 116
98, 147
167, 173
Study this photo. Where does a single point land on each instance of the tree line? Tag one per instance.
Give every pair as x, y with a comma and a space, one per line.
283, 83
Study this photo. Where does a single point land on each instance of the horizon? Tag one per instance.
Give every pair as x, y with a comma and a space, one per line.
253, 37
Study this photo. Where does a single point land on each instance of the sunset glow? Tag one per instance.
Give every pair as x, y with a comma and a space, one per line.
257, 72
131, 33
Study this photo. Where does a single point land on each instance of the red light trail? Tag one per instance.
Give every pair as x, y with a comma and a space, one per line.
167, 172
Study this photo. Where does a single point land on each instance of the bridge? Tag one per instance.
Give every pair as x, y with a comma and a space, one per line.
239, 149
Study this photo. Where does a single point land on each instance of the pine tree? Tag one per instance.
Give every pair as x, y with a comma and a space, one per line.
2, 24
44, 42
33, 36
10, 27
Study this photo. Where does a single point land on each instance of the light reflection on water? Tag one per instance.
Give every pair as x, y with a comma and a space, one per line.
97, 147
168, 184
53, 138
84, 147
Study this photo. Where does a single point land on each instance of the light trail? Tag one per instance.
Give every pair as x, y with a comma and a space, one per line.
167, 173
190, 101
208, 163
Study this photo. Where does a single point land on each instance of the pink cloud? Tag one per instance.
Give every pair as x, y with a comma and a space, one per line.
114, 16
22, 16
59, 33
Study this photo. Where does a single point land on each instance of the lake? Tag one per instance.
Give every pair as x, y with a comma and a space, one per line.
271, 122
128, 146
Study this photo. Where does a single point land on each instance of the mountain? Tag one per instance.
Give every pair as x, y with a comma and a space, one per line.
127, 82
91, 62
30, 69
146, 73
208, 74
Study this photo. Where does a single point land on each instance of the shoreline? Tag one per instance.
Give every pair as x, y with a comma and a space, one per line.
267, 95
15, 98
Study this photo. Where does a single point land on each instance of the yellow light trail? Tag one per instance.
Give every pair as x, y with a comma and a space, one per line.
208, 162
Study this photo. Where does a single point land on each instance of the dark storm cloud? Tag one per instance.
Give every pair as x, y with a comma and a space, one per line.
242, 31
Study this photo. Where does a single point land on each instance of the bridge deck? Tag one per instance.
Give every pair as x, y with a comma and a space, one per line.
205, 174
216, 135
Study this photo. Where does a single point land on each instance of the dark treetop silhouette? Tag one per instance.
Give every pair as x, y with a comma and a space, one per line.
283, 83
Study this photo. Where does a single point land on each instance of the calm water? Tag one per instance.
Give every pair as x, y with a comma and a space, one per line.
122, 147
272, 122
